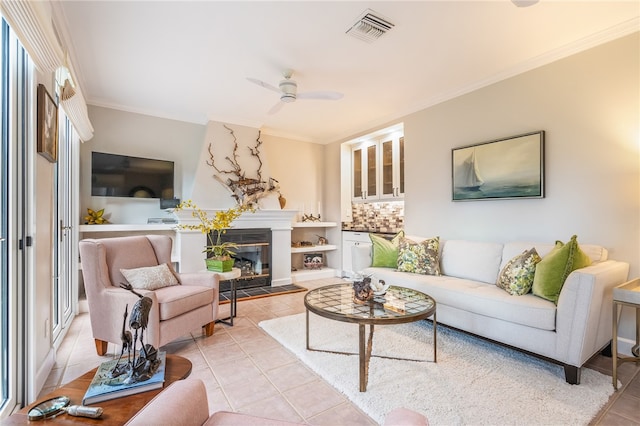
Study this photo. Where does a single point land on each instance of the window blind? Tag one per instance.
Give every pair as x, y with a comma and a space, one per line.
34, 29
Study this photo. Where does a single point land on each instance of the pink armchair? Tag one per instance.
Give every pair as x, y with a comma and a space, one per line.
185, 402
176, 310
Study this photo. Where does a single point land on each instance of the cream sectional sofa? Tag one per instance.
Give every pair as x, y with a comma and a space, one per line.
468, 299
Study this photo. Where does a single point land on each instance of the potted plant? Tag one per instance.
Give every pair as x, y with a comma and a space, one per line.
219, 254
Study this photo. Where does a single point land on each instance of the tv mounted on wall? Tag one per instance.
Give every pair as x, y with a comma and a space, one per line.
114, 175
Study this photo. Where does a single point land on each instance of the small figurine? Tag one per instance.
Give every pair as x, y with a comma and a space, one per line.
310, 218
362, 290
322, 240
146, 363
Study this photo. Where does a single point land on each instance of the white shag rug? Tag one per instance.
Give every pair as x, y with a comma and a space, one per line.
474, 382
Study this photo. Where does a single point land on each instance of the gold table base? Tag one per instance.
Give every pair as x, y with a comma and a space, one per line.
365, 348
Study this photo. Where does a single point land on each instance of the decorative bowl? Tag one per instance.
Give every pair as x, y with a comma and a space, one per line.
379, 287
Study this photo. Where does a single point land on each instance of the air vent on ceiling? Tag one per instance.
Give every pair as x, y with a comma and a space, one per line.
370, 26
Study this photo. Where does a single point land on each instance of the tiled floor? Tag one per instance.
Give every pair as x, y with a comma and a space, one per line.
281, 386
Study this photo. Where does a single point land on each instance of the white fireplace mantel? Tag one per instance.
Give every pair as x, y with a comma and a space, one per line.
190, 243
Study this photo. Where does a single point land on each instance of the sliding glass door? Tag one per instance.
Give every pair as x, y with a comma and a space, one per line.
16, 97
5, 393
65, 200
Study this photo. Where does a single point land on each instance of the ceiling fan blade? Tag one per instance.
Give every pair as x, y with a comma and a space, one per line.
277, 107
263, 84
332, 96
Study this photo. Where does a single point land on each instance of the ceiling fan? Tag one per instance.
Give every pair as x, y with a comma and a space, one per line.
288, 90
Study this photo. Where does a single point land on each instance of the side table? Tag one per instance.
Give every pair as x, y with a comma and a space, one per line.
627, 294
116, 411
232, 277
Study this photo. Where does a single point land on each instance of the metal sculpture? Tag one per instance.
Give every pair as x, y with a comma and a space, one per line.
127, 344
145, 360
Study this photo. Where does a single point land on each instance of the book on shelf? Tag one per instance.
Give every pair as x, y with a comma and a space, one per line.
103, 387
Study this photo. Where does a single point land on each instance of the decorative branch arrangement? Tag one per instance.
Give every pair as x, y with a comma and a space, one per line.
245, 190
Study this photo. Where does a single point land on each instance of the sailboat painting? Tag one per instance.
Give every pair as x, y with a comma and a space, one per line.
506, 168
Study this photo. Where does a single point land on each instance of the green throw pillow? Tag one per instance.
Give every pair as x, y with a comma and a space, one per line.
516, 278
385, 252
556, 266
419, 258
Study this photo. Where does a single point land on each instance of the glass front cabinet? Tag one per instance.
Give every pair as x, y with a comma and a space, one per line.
378, 169
392, 168
365, 172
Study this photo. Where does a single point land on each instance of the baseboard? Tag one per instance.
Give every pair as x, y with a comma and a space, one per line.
281, 281
312, 274
83, 306
625, 345
42, 374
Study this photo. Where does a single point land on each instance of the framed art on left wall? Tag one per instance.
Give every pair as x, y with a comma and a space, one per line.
47, 144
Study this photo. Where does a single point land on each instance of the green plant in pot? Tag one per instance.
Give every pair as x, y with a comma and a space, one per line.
219, 253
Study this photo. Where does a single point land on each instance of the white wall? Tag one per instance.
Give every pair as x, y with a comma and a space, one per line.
138, 135
298, 166
588, 105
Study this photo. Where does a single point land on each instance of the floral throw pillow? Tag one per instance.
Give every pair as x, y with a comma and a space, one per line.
150, 277
419, 258
516, 278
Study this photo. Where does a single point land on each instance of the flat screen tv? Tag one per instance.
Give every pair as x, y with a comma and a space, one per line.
114, 175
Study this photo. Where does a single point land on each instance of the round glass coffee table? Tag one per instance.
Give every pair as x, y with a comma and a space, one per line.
397, 306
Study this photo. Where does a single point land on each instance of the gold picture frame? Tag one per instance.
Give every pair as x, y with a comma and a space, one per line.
47, 143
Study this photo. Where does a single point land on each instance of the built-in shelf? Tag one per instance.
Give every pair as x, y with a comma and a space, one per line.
314, 224
310, 231
312, 274
112, 227
310, 249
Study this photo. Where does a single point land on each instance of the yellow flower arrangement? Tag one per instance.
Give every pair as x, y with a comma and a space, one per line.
218, 225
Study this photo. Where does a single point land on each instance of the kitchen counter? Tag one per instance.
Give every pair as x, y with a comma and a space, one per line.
382, 231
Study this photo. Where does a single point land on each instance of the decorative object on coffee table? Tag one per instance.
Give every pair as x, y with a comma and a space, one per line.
362, 290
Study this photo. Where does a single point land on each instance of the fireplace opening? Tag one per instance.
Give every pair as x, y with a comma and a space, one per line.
253, 257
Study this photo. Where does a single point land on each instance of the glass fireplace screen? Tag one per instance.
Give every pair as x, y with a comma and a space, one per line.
253, 256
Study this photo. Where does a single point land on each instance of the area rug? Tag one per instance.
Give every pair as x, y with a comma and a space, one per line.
474, 382
259, 292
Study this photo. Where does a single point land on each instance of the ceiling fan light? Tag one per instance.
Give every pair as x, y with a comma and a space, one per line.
288, 97
288, 86
288, 89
